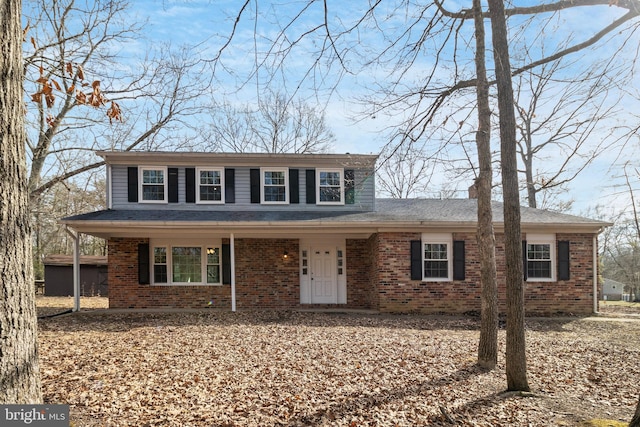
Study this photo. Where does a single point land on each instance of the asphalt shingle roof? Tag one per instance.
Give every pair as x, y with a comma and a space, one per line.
387, 211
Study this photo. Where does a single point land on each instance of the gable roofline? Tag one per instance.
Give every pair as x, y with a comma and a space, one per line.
237, 159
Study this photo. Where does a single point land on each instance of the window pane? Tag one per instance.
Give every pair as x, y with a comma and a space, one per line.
436, 269
186, 264
274, 178
153, 192
210, 177
213, 274
435, 251
213, 255
539, 251
328, 194
160, 273
330, 178
153, 177
160, 255
274, 194
539, 269
210, 193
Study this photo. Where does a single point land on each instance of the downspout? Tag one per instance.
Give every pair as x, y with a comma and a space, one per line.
76, 269
595, 274
232, 246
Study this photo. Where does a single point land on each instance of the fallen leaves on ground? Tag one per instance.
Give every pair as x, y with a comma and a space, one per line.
267, 368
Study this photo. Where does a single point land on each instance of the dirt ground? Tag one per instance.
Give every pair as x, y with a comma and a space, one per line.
277, 368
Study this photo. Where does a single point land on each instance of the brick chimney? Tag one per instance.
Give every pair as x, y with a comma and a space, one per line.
473, 192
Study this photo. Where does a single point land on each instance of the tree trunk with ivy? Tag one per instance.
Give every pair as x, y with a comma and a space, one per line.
19, 372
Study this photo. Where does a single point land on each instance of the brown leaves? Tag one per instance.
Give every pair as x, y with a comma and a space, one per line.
284, 368
95, 98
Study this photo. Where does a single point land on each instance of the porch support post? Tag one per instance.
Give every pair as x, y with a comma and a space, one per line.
595, 273
232, 246
76, 269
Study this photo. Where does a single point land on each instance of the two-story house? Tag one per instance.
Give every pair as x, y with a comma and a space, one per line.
287, 231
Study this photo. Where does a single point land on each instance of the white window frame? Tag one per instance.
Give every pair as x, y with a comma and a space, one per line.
141, 183
318, 186
170, 244
435, 239
198, 184
542, 239
285, 172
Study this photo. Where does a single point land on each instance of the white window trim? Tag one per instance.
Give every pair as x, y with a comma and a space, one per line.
286, 186
544, 239
438, 238
141, 169
222, 184
339, 170
169, 244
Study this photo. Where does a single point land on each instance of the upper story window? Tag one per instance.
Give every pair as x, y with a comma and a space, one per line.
275, 185
210, 185
540, 255
330, 186
437, 257
153, 185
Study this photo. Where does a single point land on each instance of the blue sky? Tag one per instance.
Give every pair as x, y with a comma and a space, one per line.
208, 23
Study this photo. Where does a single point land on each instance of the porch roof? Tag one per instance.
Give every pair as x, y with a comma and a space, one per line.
389, 215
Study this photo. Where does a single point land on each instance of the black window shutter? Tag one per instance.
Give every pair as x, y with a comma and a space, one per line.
143, 264
311, 186
563, 261
132, 184
229, 185
458, 260
416, 260
173, 185
349, 187
226, 264
525, 264
190, 184
254, 178
294, 186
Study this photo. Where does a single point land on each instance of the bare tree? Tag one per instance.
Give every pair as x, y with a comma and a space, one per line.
557, 122
72, 46
278, 124
19, 368
488, 342
516, 360
415, 88
635, 421
406, 172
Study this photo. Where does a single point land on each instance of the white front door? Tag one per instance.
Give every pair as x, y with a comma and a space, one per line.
324, 284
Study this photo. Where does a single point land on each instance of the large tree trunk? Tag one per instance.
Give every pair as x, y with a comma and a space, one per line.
635, 421
19, 373
488, 344
516, 350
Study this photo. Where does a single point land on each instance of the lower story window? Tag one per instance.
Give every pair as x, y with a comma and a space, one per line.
540, 256
436, 257
539, 261
186, 264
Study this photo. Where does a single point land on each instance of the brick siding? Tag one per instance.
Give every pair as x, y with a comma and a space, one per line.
398, 293
378, 277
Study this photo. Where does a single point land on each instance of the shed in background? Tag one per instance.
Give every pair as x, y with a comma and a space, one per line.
612, 290
58, 275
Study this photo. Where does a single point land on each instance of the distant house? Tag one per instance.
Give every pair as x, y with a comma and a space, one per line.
58, 275
612, 290
286, 231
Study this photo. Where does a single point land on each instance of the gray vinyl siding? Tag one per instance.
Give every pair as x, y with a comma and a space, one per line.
364, 193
